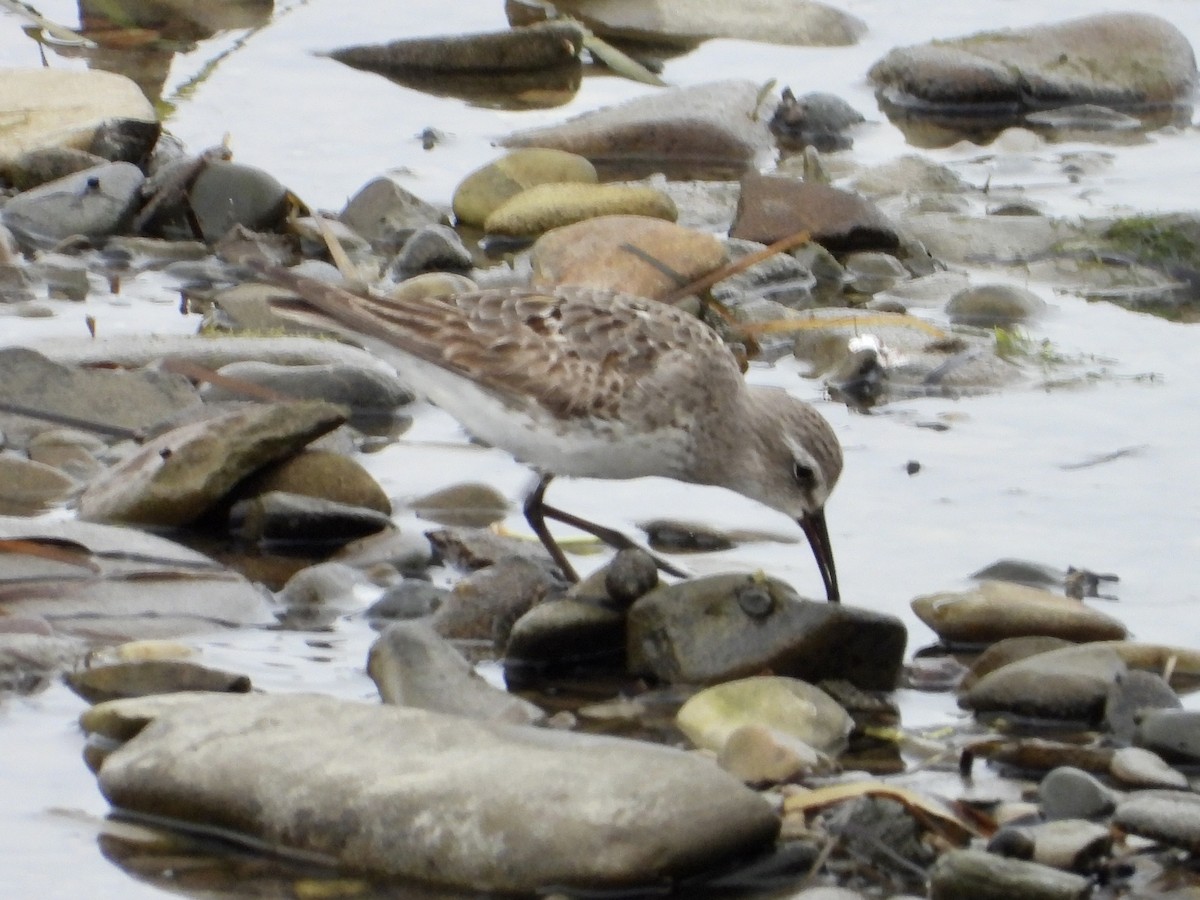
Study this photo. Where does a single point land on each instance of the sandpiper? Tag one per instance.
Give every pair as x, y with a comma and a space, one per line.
590, 383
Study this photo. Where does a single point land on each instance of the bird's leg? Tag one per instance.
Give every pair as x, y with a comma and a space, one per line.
536, 512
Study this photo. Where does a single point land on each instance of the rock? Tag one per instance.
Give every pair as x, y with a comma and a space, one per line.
95, 203
787, 706
472, 504
1172, 733
1169, 817
959, 238
115, 681
59, 108
364, 389
471, 549
485, 604
1074, 845
109, 398
760, 755
706, 125
908, 175
977, 875
629, 575
29, 659
282, 517
44, 164
802, 23
1071, 684
772, 207
1128, 61
723, 627
489, 186
994, 306
1009, 650
386, 214
32, 486
998, 609
227, 194
578, 810
431, 248
130, 140
595, 253
176, 478
1130, 696
564, 636
1070, 793
544, 46
323, 584
412, 665
1138, 768
119, 584
412, 598
322, 475
72, 452
545, 206
869, 272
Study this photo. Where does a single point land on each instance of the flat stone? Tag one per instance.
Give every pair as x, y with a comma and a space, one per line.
773, 207
26, 483
95, 203
978, 875
180, 475
706, 124
995, 610
1170, 817
396, 792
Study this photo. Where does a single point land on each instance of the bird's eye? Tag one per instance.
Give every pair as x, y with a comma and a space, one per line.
805, 477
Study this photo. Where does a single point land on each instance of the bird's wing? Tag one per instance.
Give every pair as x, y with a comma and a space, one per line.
578, 351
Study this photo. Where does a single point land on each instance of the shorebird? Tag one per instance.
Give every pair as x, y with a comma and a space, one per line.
589, 383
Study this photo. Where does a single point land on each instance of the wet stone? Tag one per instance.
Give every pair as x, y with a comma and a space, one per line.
322, 475
412, 665
46, 164
328, 583
994, 306
977, 875
1130, 696
96, 684
699, 631
760, 755
354, 781
471, 504
814, 120
412, 598
564, 636
485, 604
1009, 650
282, 517
1135, 767
226, 194
1070, 793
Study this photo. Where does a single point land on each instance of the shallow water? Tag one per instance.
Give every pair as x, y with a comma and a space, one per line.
993, 485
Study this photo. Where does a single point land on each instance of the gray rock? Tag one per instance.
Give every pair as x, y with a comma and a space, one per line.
412, 598
565, 635
1075, 845
109, 402
1070, 684
362, 388
1172, 733
814, 120
977, 875
227, 194
412, 665
356, 784
728, 626
121, 584
1129, 696
182, 474
1170, 817
1138, 768
432, 247
1070, 793
32, 486
1122, 60
94, 203
485, 604
140, 678
386, 214
46, 164
711, 122
282, 517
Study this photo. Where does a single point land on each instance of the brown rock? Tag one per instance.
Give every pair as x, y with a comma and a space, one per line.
323, 474
772, 207
597, 253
